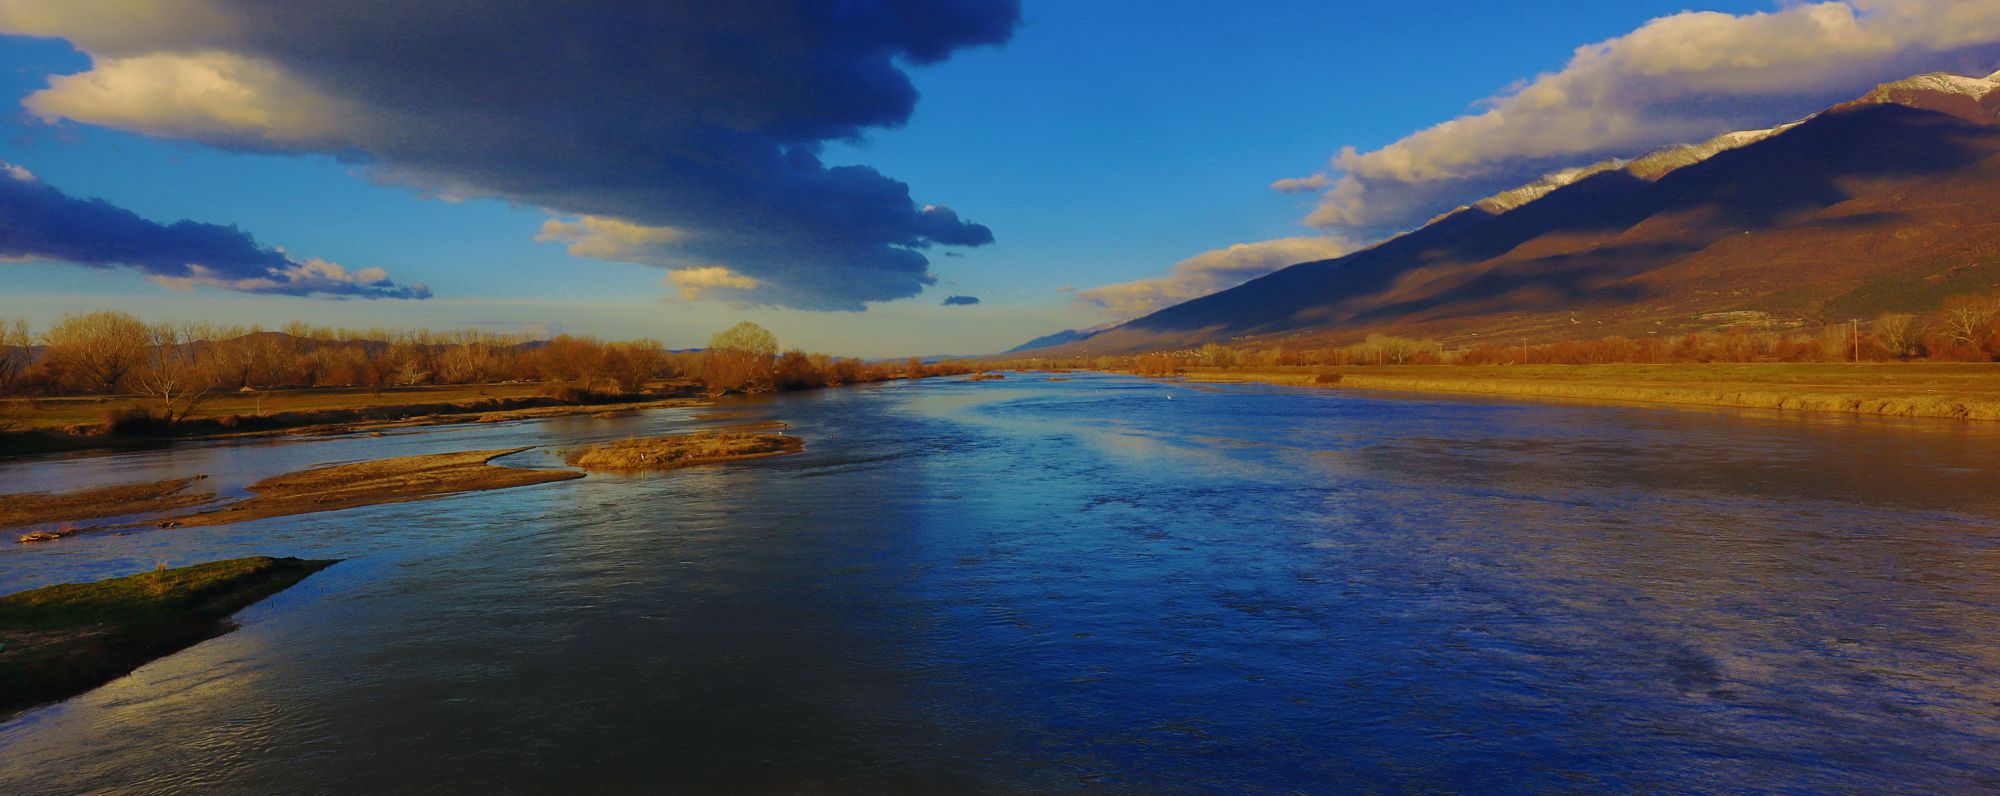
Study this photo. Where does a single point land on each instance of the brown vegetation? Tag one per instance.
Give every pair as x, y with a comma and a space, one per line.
113, 353
1925, 365
684, 450
744, 359
15, 357
167, 380
738, 359
1943, 390
1964, 328
59, 641
96, 350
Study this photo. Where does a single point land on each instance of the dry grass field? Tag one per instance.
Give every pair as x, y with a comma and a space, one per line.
65, 412
683, 450
1945, 390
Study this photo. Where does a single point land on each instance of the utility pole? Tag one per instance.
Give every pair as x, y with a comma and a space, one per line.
1857, 339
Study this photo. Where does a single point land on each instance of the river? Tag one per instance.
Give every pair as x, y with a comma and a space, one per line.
1099, 584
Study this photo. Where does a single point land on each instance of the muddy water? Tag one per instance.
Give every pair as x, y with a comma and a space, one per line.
1104, 584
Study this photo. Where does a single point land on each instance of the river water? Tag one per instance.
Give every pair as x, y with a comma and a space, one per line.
1100, 584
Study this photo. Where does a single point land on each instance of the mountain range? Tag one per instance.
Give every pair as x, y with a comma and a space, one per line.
1890, 202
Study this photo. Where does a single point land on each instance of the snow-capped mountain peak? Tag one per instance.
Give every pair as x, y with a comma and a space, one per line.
1650, 166
1971, 98
1944, 83
1974, 99
1508, 200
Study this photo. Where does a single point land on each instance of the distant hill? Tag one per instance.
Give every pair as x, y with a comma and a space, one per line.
1887, 203
1059, 338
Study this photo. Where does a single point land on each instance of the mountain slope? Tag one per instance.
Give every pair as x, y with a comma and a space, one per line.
1050, 340
1850, 211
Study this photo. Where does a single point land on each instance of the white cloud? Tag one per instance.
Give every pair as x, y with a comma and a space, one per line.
1306, 184
1677, 79
695, 284
601, 238
211, 96
1210, 272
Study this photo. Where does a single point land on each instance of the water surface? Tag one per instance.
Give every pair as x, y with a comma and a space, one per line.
1101, 584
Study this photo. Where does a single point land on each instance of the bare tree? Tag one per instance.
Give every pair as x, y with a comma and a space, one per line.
176, 371
14, 360
269, 356
465, 363
1382, 349
795, 371
309, 366
576, 360
1899, 333
1216, 355
1967, 319
97, 350
238, 357
631, 364
15, 355
411, 372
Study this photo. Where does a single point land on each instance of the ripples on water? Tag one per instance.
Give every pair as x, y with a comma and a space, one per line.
1025, 585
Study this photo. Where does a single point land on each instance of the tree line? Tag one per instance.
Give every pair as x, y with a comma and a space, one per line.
177, 365
1962, 329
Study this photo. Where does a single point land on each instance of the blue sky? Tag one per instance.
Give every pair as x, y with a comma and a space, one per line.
1101, 144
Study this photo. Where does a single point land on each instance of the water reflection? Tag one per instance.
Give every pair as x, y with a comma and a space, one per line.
1032, 586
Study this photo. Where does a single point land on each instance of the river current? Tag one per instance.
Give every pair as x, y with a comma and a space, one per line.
1103, 584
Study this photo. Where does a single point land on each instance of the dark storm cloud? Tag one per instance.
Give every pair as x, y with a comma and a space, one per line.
702, 119
960, 301
38, 222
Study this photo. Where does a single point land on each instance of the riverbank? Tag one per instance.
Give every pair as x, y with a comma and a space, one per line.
50, 508
51, 425
1955, 391
332, 488
60, 641
372, 483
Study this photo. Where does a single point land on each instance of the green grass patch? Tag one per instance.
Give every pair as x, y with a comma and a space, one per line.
1911, 294
1791, 301
66, 639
